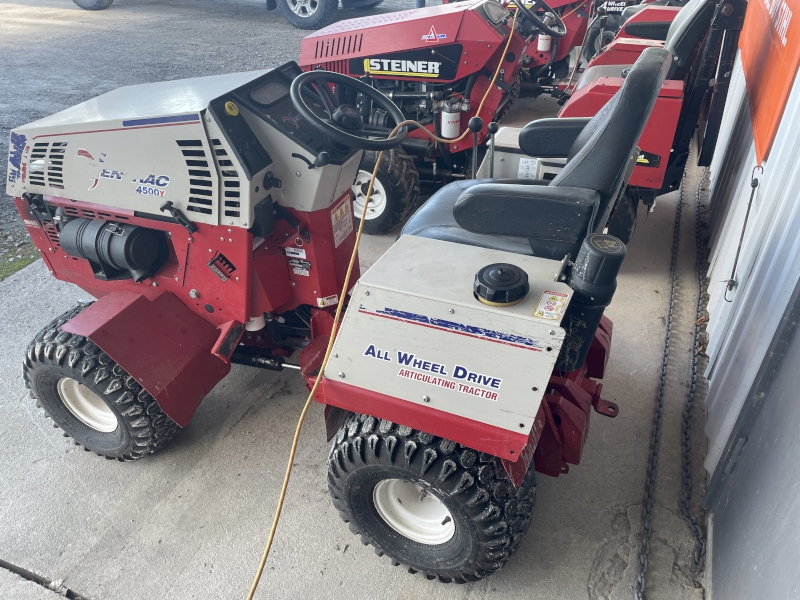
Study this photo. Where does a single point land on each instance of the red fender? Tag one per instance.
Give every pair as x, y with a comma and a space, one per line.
174, 354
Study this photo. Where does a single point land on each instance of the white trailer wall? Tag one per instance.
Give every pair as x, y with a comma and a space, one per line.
744, 321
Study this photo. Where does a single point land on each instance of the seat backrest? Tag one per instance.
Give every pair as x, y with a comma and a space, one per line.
688, 29
604, 154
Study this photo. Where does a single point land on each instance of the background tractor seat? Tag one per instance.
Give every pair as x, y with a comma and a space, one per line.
682, 40
551, 220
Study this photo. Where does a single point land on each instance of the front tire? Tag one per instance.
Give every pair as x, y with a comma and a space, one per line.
429, 504
394, 192
308, 14
93, 4
91, 397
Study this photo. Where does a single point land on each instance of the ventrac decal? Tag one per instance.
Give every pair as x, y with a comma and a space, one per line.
15, 156
146, 185
459, 378
442, 64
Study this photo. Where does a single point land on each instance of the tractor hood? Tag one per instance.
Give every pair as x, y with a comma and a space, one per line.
428, 38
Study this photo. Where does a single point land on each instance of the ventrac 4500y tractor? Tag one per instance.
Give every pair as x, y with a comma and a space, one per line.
437, 65
214, 226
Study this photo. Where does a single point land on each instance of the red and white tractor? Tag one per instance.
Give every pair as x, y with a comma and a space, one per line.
212, 219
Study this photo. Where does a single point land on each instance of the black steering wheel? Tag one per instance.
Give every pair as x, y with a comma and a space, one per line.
344, 124
543, 18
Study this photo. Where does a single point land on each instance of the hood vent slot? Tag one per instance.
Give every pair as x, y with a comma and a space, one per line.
201, 184
338, 46
46, 166
230, 181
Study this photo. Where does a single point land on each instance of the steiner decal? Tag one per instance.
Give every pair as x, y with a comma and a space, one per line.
15, 156
342, 221
411, 68
439, 63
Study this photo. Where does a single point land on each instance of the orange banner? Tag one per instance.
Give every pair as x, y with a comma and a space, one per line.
770, 46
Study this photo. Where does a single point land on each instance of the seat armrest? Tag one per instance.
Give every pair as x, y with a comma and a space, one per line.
563, 214
655, 30
551, 138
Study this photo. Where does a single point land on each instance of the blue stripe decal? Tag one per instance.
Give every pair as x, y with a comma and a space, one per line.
161, 120
461, 328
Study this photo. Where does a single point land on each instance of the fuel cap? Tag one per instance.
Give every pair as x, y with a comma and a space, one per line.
501, 284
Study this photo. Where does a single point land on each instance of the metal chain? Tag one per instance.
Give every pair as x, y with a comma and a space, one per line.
685, 500
649, 501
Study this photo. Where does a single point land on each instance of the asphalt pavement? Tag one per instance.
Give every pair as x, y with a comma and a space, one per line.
191, 521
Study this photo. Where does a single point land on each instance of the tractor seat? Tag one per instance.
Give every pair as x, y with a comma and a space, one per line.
551, 219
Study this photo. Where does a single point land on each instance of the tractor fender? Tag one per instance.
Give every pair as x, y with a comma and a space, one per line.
174, 354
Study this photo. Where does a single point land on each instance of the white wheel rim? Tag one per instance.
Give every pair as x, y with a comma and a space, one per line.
413, 511
304, 8
86, 406
377, 202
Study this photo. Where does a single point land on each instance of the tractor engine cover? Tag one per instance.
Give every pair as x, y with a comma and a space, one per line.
115, 250
416, 346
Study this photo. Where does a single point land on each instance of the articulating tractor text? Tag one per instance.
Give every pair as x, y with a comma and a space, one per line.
213, 220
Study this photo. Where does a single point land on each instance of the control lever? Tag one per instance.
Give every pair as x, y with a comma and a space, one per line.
323, 158
475, 125
492, 128
178, 216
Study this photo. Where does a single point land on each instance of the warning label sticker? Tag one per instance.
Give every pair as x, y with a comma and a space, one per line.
528, 168
551, 305
327, 301
342, 221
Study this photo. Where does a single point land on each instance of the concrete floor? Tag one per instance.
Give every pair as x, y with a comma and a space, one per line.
191, 521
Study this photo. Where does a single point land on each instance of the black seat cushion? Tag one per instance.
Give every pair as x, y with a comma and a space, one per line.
435, 220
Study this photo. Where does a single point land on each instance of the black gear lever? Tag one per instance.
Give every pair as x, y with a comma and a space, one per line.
475, 125
492, 129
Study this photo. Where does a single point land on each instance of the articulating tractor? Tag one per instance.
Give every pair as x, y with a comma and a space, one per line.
212, 219
702, 38
437, 64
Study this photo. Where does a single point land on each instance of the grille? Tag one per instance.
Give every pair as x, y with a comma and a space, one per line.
337, 66
338, 46
71, 211
201, 192
46, 166
231, 194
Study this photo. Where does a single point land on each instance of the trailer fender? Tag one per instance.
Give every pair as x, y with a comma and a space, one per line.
166, 347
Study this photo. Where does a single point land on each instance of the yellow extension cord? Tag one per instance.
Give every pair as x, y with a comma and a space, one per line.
345, 288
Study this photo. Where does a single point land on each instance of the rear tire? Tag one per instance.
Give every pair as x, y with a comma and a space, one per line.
622, 224
93, 4
394, 193
462, 518
308, 14
91, 397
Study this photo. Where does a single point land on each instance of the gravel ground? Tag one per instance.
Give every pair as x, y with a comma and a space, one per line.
55, 55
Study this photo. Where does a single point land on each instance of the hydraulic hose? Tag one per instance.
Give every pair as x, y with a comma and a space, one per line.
337, 316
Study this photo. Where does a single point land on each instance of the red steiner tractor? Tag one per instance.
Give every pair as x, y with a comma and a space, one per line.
212, 219
436, 64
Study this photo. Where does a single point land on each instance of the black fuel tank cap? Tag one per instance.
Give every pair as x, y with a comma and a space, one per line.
501, 284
